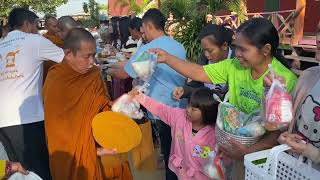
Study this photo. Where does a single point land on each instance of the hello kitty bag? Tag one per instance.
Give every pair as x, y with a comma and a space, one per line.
279, 111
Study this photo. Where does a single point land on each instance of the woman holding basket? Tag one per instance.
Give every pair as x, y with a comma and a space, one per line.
256, 46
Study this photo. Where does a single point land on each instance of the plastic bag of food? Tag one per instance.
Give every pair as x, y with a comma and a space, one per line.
278, 105
252, 129
144, 65
215, 168
126, 105
229, 117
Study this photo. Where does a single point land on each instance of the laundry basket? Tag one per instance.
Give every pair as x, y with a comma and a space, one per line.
276, 164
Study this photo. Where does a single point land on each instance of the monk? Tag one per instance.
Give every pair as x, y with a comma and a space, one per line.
51, 25
73, 94
65, 25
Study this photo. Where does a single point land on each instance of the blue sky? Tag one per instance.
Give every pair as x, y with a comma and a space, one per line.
74, 6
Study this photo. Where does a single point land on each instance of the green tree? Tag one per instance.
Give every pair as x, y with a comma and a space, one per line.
190, 14
48, 6
134, 6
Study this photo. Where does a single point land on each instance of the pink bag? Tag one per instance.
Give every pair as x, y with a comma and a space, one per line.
279, 111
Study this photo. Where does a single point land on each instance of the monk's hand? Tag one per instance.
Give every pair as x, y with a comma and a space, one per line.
103, 152
17, 167
163, 56
234, 150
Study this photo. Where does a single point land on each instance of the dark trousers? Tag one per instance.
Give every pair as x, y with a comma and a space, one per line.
27, 144
165, 143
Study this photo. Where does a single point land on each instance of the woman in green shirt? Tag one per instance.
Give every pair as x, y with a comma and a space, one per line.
256, 46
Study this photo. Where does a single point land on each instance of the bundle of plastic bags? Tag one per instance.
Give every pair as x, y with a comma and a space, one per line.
278, 105
126, 105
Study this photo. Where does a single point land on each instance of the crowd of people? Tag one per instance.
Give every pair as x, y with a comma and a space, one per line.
52, 86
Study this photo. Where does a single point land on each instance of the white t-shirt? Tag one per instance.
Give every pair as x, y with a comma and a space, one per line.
21, 68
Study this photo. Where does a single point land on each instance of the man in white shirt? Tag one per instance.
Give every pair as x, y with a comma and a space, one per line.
22, 54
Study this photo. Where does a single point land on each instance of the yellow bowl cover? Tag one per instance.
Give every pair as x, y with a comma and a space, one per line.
115, 130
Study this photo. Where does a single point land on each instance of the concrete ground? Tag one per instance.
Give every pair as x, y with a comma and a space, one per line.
158, 174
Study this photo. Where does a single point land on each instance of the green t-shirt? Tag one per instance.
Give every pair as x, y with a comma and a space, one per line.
244, 92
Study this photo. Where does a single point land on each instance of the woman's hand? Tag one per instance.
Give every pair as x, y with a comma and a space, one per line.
234, 150
177, 93
295, 141
17, 167
268, 79
163, 56
103, 152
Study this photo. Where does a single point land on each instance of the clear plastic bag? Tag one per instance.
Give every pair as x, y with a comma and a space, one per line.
126, 105
278, 105
215, 168
254, 128
144, 65
229, 117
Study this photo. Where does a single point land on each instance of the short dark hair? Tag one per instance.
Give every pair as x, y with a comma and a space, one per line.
19, 15
155, 17
135, 23
202, 98
47, 17
219, 33
75, 37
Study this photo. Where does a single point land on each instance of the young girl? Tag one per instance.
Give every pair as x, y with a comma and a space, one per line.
256, 45
215, 42
192, 131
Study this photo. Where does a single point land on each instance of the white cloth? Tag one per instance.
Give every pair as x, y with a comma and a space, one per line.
21, 70
30, 176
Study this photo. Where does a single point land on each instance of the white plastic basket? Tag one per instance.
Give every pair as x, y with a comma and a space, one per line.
275, 164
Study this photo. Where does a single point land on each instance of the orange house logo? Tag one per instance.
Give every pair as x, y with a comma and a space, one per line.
11, 59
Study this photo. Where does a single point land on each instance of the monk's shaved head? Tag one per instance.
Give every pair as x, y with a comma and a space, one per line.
76, 37
65, 24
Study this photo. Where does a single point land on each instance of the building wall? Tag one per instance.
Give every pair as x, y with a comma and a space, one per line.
312, 15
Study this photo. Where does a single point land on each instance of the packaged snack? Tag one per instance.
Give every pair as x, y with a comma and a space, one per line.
144, 65
126, 105
278, 105
252, 129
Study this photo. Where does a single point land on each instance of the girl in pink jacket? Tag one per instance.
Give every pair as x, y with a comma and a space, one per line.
192, 130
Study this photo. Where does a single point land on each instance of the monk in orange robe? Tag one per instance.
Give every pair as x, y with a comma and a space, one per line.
51, 24
74, 93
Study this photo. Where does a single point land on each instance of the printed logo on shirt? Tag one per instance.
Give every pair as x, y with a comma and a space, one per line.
250, 100
8, 69
201, 152
308, 123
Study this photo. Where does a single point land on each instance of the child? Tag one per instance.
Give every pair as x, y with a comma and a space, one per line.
192, 130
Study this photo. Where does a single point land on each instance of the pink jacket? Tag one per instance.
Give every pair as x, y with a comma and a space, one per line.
189, 154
